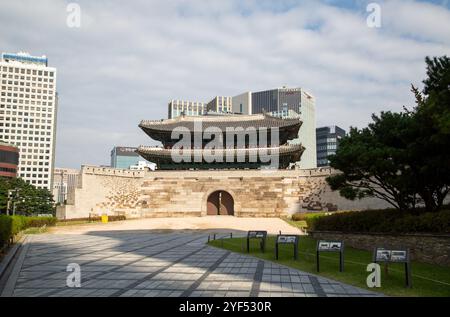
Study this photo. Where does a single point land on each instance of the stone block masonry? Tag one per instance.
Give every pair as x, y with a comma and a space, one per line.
255, 193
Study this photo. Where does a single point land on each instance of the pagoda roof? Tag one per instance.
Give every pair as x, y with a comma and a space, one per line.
156, 150
163, 157
222, 122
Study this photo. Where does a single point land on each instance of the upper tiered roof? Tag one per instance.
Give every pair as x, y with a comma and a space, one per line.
161, 129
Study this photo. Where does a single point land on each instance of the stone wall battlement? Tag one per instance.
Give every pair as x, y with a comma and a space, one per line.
109, 171
254, 193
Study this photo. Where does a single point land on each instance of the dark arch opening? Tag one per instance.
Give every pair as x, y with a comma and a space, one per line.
220, 203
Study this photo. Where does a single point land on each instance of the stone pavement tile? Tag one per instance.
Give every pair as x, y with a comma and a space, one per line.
305, 279
166, 285
298, 295
97, 268
47, 268
30, 292
219, 293
136, 293
285, 278
275, 287
242, 285
180, 276
124, 275
328, 289
42, 283
298, 287
97, 283
237, 294
202, 293
102, 292
52, 276
72, 292
28, 275
138, 269
286, 286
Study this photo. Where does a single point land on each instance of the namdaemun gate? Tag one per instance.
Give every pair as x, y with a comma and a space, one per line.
222, 142
211, 165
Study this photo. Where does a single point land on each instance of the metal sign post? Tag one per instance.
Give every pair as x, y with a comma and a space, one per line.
330, 246
395, 256
260, 235
287, 239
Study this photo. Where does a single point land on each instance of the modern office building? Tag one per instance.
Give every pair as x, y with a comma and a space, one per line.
9, 160
124, 157
291, 103
189, 108
242, 103
220, 104
28, 111
327, 143
65, 180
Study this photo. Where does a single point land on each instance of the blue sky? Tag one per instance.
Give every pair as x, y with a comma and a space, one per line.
127, 60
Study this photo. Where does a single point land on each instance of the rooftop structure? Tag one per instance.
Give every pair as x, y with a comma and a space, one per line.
23, 57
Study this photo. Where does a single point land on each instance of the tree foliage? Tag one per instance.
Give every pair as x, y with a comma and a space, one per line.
402, 158
28, 199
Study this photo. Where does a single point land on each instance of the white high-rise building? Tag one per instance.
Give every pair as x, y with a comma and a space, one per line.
28, 111
189, 108
64, 182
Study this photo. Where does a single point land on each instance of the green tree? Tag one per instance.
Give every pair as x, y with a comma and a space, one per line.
402, 158
370, 162
27, 198
430, 145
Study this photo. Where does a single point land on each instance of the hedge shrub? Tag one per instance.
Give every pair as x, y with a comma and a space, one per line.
384, 221
305, 215
12, 225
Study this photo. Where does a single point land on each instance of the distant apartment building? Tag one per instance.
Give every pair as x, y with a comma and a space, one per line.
9, 160
28, 110
124, 157
189, 108
65, 180
220, 104
327, 143
288, 103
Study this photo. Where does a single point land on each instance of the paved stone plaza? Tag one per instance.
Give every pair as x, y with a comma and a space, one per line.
143, 263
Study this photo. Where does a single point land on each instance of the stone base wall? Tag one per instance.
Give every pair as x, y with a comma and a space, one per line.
433, 249
185, 193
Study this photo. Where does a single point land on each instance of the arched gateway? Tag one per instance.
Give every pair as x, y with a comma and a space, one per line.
220, 203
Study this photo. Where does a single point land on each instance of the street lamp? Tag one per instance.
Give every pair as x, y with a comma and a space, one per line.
12, 198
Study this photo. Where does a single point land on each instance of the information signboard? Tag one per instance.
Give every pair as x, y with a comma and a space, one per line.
287, 239
397, 255
260, 235
330, 246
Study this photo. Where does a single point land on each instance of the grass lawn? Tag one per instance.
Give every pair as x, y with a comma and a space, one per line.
427, 279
